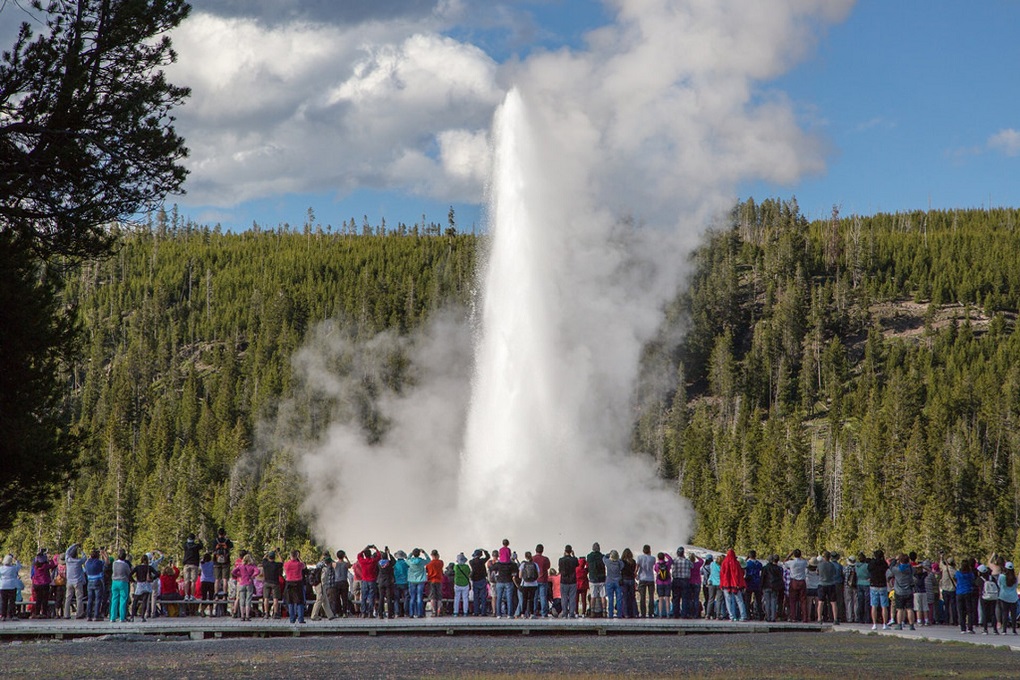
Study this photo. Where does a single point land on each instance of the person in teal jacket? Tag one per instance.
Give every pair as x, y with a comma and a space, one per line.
416, 579
400, 568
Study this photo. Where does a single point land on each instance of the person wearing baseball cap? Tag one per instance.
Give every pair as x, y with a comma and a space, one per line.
1007, 598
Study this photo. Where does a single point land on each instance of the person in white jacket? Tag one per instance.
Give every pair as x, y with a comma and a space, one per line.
10, 584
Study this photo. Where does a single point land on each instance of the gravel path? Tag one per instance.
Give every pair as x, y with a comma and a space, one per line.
723, 656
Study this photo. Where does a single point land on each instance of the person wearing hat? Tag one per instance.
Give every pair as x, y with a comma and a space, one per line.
9, 581
400, 588
944, 570
811, 588
989, 591
386, 586
479, 581
1007, 598
715, 601
325, 591
850, 590
461, 586
596, 581
272, 572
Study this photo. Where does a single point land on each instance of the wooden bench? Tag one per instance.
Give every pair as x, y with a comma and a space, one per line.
25, 607
191, 607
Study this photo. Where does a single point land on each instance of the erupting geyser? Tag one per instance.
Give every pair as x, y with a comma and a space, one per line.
545, 454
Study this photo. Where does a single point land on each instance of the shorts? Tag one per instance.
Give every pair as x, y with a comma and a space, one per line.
879, 597
597, 589
663, 589
921, 601
221, 571
191, 572
435, 591
828, 593
905, 601
811, 592
271, 591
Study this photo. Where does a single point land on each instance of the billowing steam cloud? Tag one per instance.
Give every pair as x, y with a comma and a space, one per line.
609, 162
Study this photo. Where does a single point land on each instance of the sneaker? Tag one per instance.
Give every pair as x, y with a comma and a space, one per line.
885, 626
874, 626
899, 626
912, 627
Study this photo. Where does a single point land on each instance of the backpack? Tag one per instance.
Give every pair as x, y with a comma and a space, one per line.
529, 571
314, 576
221, 551
596, 570
990, 591
663, 574
851, 577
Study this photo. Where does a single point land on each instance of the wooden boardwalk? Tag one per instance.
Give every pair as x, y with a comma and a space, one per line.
198, 628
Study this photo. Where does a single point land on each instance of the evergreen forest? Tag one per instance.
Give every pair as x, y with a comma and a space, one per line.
847, 383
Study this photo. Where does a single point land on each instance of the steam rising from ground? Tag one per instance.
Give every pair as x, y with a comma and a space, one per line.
400, 489
608, 165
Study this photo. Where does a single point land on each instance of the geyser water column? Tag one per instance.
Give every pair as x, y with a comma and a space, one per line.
544, 457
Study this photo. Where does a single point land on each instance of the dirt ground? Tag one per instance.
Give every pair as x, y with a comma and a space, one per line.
785, 655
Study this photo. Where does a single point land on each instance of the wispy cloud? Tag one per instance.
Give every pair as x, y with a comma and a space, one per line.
877, 122
1007, 141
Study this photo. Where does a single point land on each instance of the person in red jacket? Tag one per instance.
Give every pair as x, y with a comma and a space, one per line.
368, 560
168, 589
732, 582
581, 574
294, 587
434, 573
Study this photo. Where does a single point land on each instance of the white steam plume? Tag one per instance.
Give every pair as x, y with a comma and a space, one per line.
401, 490
609, 164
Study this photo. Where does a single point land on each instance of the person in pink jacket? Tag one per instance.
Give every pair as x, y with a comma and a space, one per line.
245, 574
43, 567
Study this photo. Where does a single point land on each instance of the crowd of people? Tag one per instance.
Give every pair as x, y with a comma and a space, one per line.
903, 590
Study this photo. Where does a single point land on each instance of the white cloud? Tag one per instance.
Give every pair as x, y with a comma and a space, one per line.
673, 93
1007, 141
668, 98
301, 107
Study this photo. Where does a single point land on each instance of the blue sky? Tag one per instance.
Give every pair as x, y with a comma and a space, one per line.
912, 104
909, 96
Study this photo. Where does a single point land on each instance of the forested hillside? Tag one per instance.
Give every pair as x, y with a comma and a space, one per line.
850, 383
187, 339
847, 383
